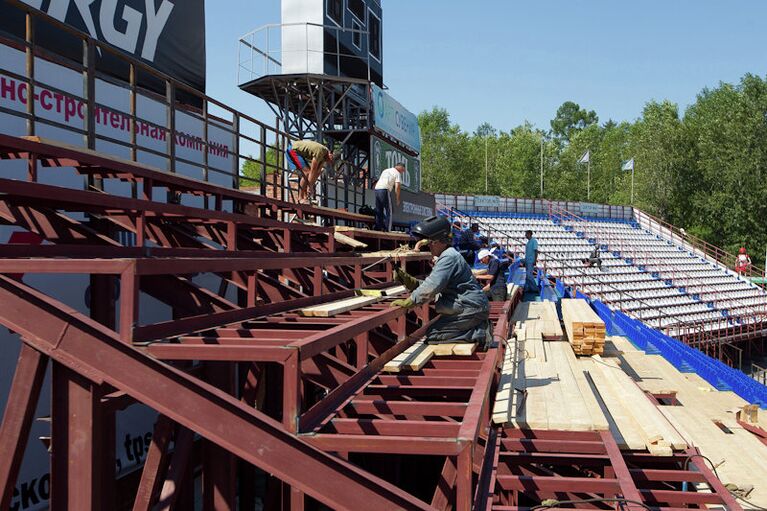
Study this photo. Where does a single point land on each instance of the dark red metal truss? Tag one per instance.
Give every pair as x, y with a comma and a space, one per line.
587, 470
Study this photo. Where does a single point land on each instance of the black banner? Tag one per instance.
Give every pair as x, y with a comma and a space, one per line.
168, 35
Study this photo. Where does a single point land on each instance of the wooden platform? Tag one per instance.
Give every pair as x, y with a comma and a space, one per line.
585, 330
539, 317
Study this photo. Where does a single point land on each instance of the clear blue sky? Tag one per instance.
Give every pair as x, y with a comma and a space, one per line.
507, 61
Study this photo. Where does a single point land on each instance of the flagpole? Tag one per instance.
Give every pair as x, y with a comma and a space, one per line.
541, 165
588, 179
633, 164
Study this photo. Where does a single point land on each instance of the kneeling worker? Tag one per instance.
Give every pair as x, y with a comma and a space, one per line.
463, 307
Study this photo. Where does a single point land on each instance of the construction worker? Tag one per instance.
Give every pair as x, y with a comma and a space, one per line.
389, 181
298, 154
463, 307
531, 259
594, 259
496, 269
469, 242
742, 262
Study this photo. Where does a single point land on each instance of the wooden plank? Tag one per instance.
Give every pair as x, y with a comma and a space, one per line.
396, 364
463, 349
654, 426
389, 291
346, 240
623, 427
331, 309
420, 358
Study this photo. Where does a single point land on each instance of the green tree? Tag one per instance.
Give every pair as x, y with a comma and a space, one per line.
570, 118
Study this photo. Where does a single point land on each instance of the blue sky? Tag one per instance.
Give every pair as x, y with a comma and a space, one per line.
507, 61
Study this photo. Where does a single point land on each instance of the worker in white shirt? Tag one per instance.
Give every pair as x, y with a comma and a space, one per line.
390, 179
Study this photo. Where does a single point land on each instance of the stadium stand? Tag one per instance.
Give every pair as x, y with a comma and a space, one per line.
644, 274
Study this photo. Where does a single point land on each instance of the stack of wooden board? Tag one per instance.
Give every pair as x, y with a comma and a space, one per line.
635, 421
542, 387
585, 330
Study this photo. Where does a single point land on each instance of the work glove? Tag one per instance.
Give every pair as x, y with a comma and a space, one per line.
405, 303
405, 279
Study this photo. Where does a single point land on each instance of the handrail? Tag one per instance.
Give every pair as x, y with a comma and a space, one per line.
707, 249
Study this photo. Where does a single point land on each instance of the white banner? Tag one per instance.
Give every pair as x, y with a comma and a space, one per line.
487, 201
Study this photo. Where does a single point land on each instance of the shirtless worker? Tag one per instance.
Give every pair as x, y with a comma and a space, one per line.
298, 154
462, 305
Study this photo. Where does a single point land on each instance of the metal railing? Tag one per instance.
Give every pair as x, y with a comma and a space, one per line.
290, 48
695, 244
220, 133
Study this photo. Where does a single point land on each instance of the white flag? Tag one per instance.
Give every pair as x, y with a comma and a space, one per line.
629, 165
585, 158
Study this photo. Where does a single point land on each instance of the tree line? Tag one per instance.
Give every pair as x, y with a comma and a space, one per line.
702, 169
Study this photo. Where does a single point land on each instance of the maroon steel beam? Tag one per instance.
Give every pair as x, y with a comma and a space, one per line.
628, 485
558, 446
343, 394
485, 493
443, 494
17, 419
42, 149
530, 484
26, 193
156, 460
95, 352
420, 408
214, 352
463, 480
77, 436
684, 498
384, 444
408, 428
693, 455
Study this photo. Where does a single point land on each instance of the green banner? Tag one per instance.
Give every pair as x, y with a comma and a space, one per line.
383, 155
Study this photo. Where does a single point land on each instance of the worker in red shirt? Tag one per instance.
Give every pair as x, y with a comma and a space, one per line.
742, 262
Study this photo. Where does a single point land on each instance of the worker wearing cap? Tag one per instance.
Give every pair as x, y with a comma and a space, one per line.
742, 262
496, 286
463, 307
317, 155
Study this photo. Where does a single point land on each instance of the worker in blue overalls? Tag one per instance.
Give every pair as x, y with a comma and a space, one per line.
463, 307
531, 258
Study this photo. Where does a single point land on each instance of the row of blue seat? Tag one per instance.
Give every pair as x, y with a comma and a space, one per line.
683, 357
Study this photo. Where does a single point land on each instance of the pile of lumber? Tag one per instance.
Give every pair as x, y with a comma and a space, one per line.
585, 330
543, 387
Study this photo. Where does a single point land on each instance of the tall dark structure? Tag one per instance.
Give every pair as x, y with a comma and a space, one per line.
321, 71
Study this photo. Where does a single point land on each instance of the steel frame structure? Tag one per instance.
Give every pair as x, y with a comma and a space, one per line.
587, 470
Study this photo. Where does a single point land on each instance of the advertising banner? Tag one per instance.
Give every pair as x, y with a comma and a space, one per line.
395, 120
414, 208
134, 425
487, 201
384, 155
168, 35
